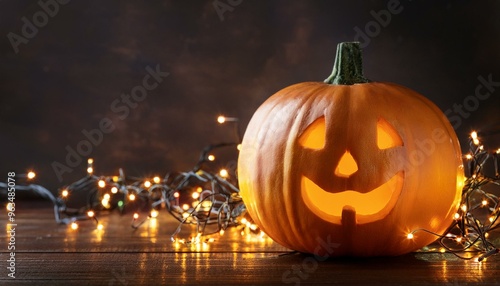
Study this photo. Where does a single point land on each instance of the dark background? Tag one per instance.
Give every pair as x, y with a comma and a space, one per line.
64, 79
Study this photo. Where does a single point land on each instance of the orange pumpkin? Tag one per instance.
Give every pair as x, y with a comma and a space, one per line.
349, 166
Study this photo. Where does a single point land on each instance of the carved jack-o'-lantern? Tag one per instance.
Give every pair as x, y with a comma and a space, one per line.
350, 163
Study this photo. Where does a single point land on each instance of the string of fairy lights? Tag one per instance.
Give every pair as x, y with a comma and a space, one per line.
210, 201
478, 215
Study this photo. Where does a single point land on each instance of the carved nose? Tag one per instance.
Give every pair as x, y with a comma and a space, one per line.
347, 166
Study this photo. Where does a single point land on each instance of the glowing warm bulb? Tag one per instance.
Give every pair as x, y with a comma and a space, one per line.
101, 184
223, 173
64, 193
154, 213
498, 151
464, 208
195, 195
90, 213
244, 221
136, 215
476, 141
473, 135
74, 226
10, 207
185, 207
221, 232
90, 170
481, 147
100, 226
147, 184
484, 202
468, 156
176, 194
486, 235
442, 250
410, 236
131, 197
31, 175
156, 180
221, 119
107, 196
459, 239
185, 215
115, 178
90, 161
238, 147
491, 219
456, 216
114, 190
199, 189
105, 203
211, 158
253, 227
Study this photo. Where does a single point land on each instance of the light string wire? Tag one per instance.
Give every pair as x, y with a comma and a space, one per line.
478, 215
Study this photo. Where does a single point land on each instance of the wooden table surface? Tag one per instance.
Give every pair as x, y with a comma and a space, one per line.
52, 254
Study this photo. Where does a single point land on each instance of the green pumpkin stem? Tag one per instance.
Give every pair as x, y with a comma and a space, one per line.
348, 66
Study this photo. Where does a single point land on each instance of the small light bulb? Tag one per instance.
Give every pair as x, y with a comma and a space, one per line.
154, 213
221, 232
410, 235
115, 178
100, 226
131, 197
442, 250
476, 141
484, 202
147, 184
101, 184
114, 190
221, 119
136, 215
107, 196
223, 173
90, 161
464, 208
105, 203
74, 226
459, 239
64, 193
468, 156
10, 207
156, 180
176, 194
498, 151
473, 135
211, 158
90, 213
185, 207
195, 195
90, 170
31, 175
456, 216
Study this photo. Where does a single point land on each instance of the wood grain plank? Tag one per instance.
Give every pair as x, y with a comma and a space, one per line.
51, 254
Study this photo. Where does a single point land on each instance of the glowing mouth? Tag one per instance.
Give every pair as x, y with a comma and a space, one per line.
368, 207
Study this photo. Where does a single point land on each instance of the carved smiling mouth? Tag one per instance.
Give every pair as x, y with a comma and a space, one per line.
367, 207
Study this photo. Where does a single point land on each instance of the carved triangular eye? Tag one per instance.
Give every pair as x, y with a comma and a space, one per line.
314, 135
387, 136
